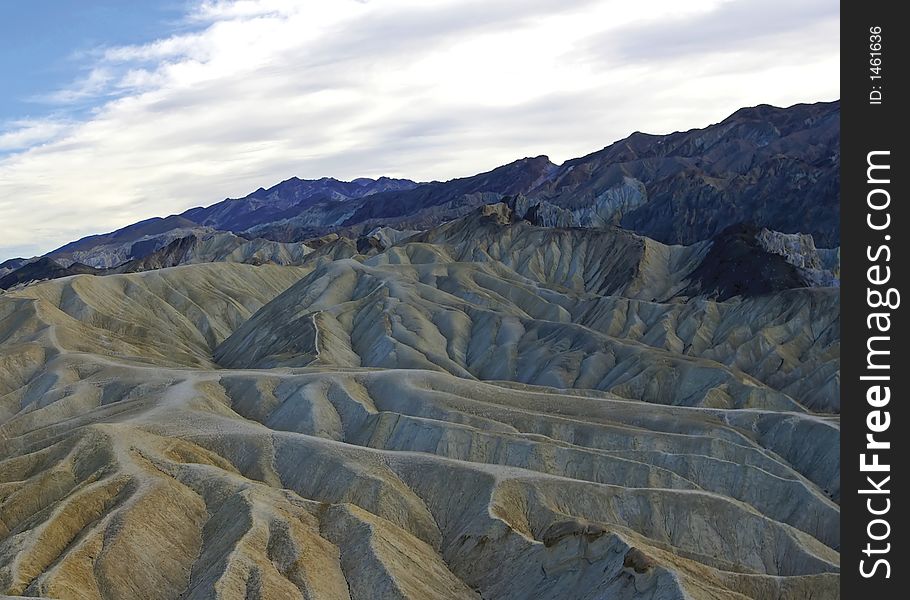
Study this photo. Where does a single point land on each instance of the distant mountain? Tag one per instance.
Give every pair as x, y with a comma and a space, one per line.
288, 199
133, 241
774, 167
765, 167
142, 239
419, 207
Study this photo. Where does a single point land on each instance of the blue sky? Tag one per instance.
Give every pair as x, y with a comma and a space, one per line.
116, 111
44, 45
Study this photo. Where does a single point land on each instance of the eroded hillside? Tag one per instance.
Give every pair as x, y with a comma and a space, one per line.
488, 409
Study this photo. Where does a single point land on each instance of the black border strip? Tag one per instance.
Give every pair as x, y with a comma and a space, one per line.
866, 127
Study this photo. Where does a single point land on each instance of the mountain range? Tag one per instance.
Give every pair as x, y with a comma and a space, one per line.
765, 166
618, 377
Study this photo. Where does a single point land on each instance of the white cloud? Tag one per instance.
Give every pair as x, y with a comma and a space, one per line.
217, 10
263, 90
27, 133
90, 86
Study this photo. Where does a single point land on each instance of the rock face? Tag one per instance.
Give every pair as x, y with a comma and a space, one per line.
487, 409
819, 267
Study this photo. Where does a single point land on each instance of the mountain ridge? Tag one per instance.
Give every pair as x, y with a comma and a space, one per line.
680, 187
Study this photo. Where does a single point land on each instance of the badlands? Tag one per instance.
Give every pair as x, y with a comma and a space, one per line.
488, 408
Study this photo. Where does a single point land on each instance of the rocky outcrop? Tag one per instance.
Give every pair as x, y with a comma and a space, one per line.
819, 267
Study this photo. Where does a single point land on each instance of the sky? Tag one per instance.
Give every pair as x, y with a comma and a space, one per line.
114, 111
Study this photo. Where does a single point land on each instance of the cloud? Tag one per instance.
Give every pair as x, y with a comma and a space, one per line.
218, 10
28, 133
92, 85
731, 27
259, 91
